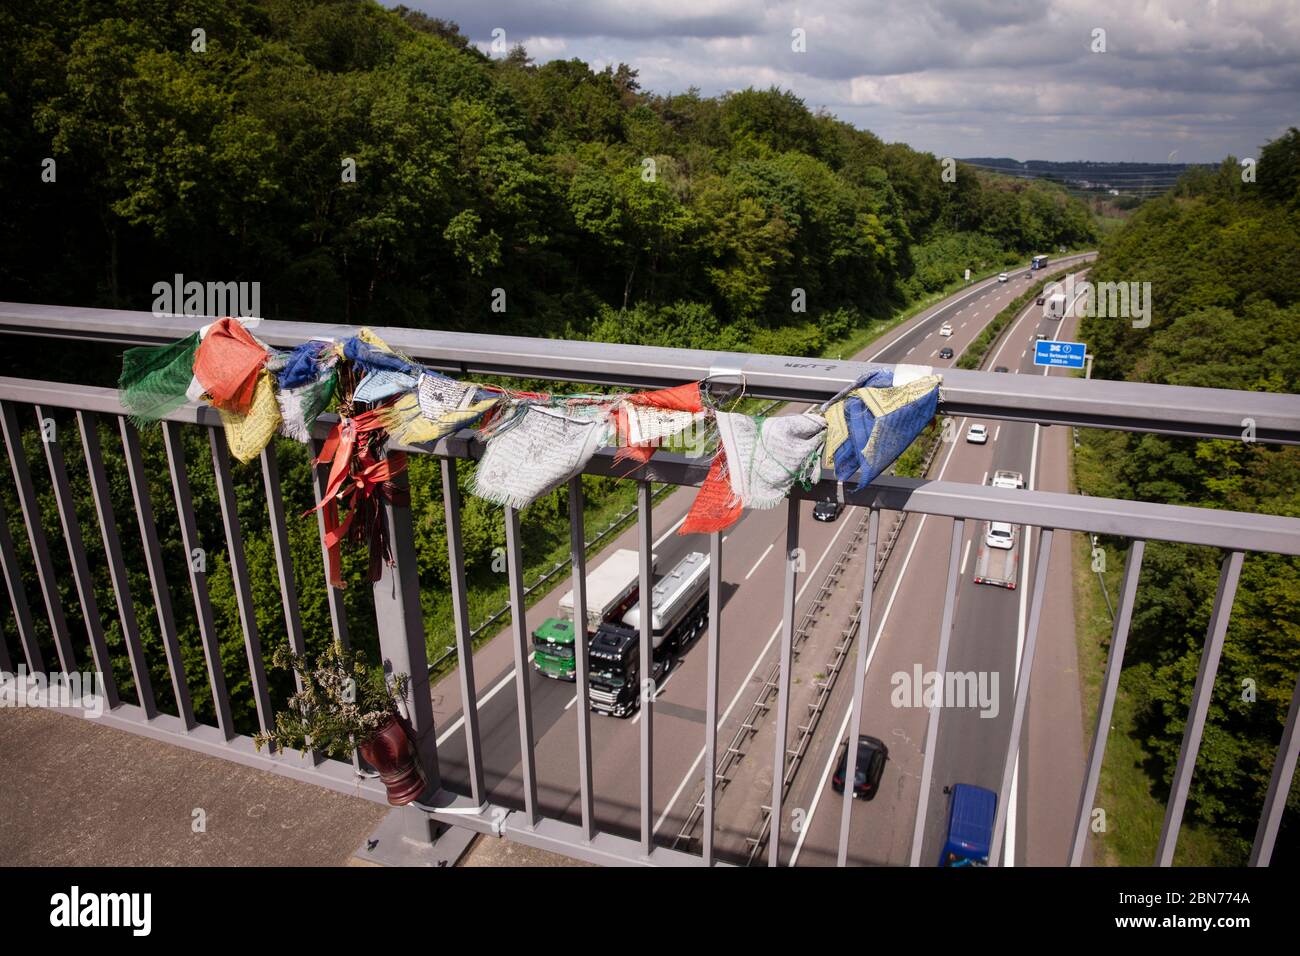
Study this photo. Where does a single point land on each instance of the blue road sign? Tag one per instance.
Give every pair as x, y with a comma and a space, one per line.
1061, 354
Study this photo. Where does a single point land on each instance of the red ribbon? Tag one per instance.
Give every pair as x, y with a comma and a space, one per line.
359, 474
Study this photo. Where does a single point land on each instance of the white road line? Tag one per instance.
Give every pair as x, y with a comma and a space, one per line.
571, 702
659, 690
964, 555
760, 560
985, 479
871, 654
911, 326
933, 353
996, 432
689, 777
454, 726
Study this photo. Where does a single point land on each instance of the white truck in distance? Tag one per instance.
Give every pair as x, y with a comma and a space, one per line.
1055, 306
998, 559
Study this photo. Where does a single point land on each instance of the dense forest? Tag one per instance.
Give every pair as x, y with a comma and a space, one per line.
1221, 254
371, 166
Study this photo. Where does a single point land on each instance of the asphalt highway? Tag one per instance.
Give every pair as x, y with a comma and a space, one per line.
752, 590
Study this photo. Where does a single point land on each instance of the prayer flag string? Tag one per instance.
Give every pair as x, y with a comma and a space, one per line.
533, 442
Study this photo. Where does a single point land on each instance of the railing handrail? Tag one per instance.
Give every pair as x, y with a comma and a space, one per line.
1049, 400
1181, 524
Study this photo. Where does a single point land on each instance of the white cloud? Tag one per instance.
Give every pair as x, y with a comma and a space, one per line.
968, 77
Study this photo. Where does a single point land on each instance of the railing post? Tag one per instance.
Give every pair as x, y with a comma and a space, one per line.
401, 632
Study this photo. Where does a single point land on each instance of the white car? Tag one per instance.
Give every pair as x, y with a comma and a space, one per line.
1002, 277
977, 434
1001, 535
945, 329
1007, 479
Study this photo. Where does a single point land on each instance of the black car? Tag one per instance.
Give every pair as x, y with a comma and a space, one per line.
827, 510
1001, 368
872, 754
945, 352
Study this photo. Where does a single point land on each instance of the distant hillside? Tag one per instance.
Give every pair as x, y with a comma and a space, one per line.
1126, 179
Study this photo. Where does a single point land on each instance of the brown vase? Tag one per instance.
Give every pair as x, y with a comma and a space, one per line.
388, 750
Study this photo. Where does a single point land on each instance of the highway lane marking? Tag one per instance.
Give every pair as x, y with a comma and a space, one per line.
985, 479
510, 675
744, 684
760, 560
996, 432
939, 310
660, 689
690, 773
964, 555
933, 353
573, 701
1009, 841
871, 654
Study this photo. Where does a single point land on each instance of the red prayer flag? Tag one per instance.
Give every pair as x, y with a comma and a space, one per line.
226, 365
715, 507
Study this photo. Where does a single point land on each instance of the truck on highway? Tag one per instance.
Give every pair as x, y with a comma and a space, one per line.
1003, 478
971, 813
679, 611
998, 558
612, 588
1038, 262
1055, 307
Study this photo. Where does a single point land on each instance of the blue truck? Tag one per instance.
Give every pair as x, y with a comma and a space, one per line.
971, 810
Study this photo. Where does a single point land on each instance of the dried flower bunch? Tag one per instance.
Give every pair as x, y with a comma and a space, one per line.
342, 702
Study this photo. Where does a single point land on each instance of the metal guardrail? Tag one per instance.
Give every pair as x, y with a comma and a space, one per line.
1125, 406
402, 639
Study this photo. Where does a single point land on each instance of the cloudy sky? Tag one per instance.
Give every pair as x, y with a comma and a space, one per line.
1192, 79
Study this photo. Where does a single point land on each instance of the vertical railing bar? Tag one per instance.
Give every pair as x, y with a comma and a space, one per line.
402, 643
581, 674
284, 565
157, 572
1278, 786
18, 598
859, 679
88, 425
198, 578
941, 667
1022, 693
523, 673
711, 692
646, 690
1110, 689
783, 687
31, 509
81, 579
460, 614
1201, 695
239, 572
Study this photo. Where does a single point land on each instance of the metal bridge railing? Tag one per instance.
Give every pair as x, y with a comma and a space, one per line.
23, 403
